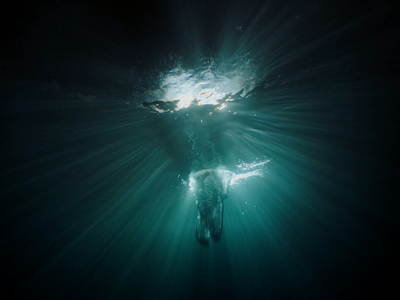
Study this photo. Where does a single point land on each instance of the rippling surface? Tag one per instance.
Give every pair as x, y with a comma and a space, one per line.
100, 136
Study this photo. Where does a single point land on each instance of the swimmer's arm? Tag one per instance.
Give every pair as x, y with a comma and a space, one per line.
215, 171
202, 172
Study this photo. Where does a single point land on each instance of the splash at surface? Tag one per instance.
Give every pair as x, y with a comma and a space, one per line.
211, 83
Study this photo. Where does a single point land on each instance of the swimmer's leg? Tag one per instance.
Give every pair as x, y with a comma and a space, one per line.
216, 221
202, 229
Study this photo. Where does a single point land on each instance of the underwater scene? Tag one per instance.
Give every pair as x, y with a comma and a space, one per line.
199, 150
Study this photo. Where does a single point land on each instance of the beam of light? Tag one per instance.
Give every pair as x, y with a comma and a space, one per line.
96, 192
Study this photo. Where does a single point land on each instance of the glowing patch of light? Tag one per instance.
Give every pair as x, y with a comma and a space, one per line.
184, 101
157, 109
210, 97
207, 85
223, 105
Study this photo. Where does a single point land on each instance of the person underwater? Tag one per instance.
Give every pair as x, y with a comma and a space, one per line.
210, 186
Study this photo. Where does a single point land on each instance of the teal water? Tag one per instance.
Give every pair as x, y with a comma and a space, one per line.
96, 206
95, 192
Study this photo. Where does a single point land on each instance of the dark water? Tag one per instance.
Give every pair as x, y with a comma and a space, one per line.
93, 193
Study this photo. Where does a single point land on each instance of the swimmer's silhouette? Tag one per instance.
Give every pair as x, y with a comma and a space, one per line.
211, 188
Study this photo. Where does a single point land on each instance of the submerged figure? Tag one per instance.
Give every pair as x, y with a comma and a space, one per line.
211, 187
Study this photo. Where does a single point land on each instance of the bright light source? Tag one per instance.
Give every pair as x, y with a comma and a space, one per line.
206, 85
